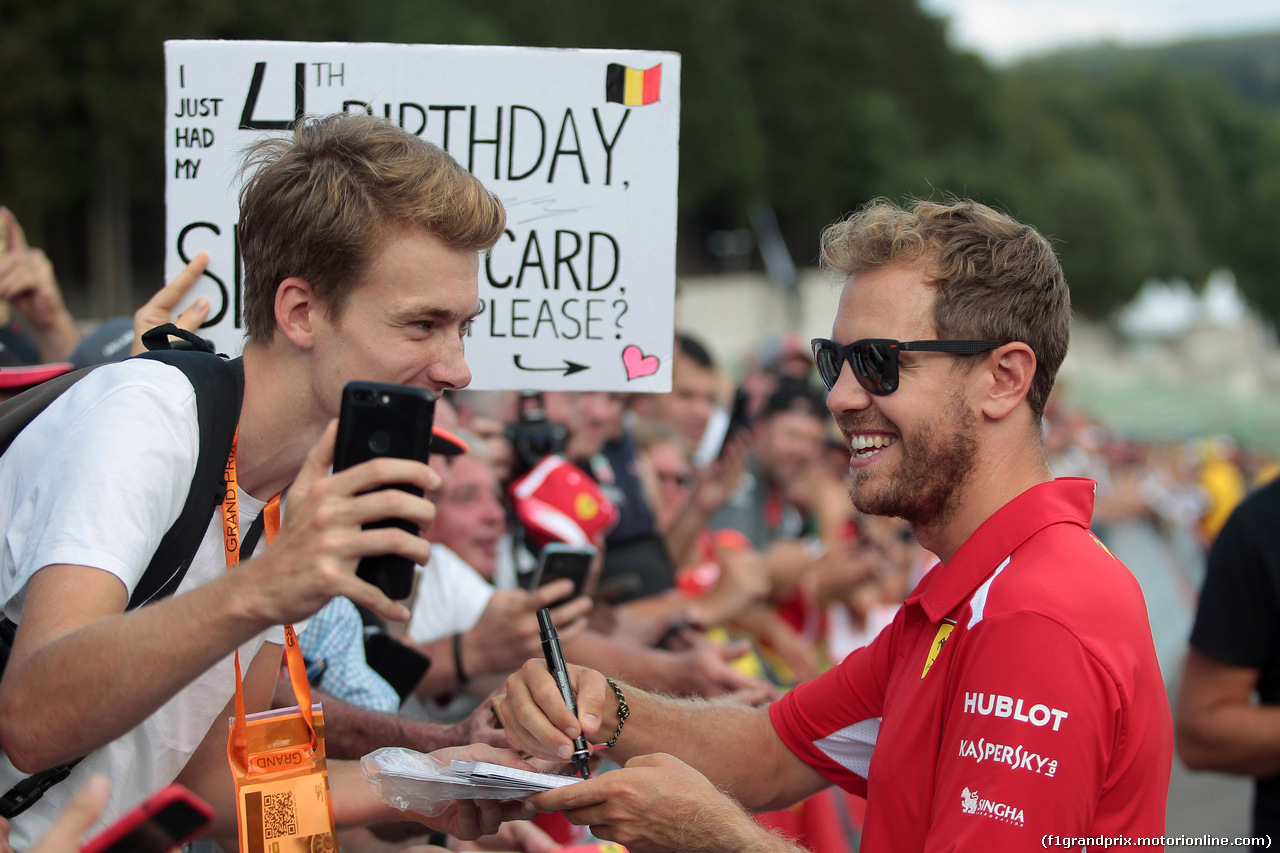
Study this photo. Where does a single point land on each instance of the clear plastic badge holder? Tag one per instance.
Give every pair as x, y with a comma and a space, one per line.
276, 757
278, 762
417, 782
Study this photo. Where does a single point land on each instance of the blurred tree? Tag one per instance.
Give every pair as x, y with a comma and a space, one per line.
1137, 174
814, 106
80, 151
853, 95
1257, 263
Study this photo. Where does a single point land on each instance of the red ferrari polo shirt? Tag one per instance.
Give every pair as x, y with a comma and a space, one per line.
1016, 695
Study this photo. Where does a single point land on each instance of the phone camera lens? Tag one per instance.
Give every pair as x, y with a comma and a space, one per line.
363, 396
380, 442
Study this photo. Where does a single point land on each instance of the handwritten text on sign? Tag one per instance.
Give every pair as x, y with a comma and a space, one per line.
581, 146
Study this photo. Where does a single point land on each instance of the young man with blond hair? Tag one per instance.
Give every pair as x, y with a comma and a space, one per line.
361, 246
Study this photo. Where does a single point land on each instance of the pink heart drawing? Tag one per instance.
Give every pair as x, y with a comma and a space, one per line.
637, 363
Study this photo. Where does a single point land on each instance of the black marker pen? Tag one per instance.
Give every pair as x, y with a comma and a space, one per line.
560, 672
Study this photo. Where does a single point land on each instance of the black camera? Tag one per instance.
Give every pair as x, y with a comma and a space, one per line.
533, 436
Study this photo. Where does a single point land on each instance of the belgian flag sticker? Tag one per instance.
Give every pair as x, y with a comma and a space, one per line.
631, 86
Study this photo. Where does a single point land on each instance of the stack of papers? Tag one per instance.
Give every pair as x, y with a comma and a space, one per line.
411, 780
521, 782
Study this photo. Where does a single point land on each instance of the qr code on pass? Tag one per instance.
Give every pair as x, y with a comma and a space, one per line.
279, 815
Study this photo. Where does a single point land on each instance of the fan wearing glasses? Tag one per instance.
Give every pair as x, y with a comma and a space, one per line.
1016, 696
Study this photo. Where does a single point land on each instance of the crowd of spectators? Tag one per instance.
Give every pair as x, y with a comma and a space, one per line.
760, 557
731, 561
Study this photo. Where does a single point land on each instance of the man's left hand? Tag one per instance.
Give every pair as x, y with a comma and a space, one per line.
474, 818
657, 803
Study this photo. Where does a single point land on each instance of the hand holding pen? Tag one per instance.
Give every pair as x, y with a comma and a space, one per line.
560, 672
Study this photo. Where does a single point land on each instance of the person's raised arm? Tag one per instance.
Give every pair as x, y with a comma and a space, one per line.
28, 282
825, 498
83, 672
713, 484
158, 310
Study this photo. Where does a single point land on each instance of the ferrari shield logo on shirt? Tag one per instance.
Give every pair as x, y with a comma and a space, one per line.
1098, 542
939, 640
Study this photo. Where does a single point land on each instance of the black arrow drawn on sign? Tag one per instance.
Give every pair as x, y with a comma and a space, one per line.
570, 367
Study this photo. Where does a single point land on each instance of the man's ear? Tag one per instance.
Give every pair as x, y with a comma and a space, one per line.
296, 307
1010, 369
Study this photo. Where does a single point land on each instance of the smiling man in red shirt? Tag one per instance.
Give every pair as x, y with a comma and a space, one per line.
1017, 695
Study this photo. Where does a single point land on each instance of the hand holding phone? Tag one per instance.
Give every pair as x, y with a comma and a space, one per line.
722, 427
558, 560
739, 418
379, 419
167, 819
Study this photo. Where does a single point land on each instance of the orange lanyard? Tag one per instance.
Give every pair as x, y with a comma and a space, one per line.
233, 539
231, 510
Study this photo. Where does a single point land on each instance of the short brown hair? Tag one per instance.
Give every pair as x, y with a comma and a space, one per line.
317, 205
649, 433
997, 278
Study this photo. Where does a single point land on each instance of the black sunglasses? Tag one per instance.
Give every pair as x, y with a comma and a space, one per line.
875, 360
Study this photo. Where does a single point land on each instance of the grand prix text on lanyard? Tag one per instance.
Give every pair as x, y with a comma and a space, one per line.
276, 757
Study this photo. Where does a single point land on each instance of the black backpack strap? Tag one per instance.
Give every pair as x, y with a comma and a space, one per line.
249, 541
158, 339
219, 390
219, 387
23, 795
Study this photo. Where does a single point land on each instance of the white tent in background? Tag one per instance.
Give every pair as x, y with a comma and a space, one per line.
1223, 304
1160, 311
1166, 310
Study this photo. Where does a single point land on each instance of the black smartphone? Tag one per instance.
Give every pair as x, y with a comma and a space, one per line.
721, 427
402, 666
558, 560
168, 818
739, 418
379, 419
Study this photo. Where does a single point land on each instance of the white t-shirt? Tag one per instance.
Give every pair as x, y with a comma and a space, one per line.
844, 637
449, 599
97, 480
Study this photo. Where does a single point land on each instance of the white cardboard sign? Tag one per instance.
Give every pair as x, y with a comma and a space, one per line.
581, 146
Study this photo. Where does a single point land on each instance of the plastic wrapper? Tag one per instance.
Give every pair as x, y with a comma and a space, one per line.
414, 781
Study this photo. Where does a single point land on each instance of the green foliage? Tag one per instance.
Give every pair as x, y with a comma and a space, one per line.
1150, 162
1248, 65
1162, 162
